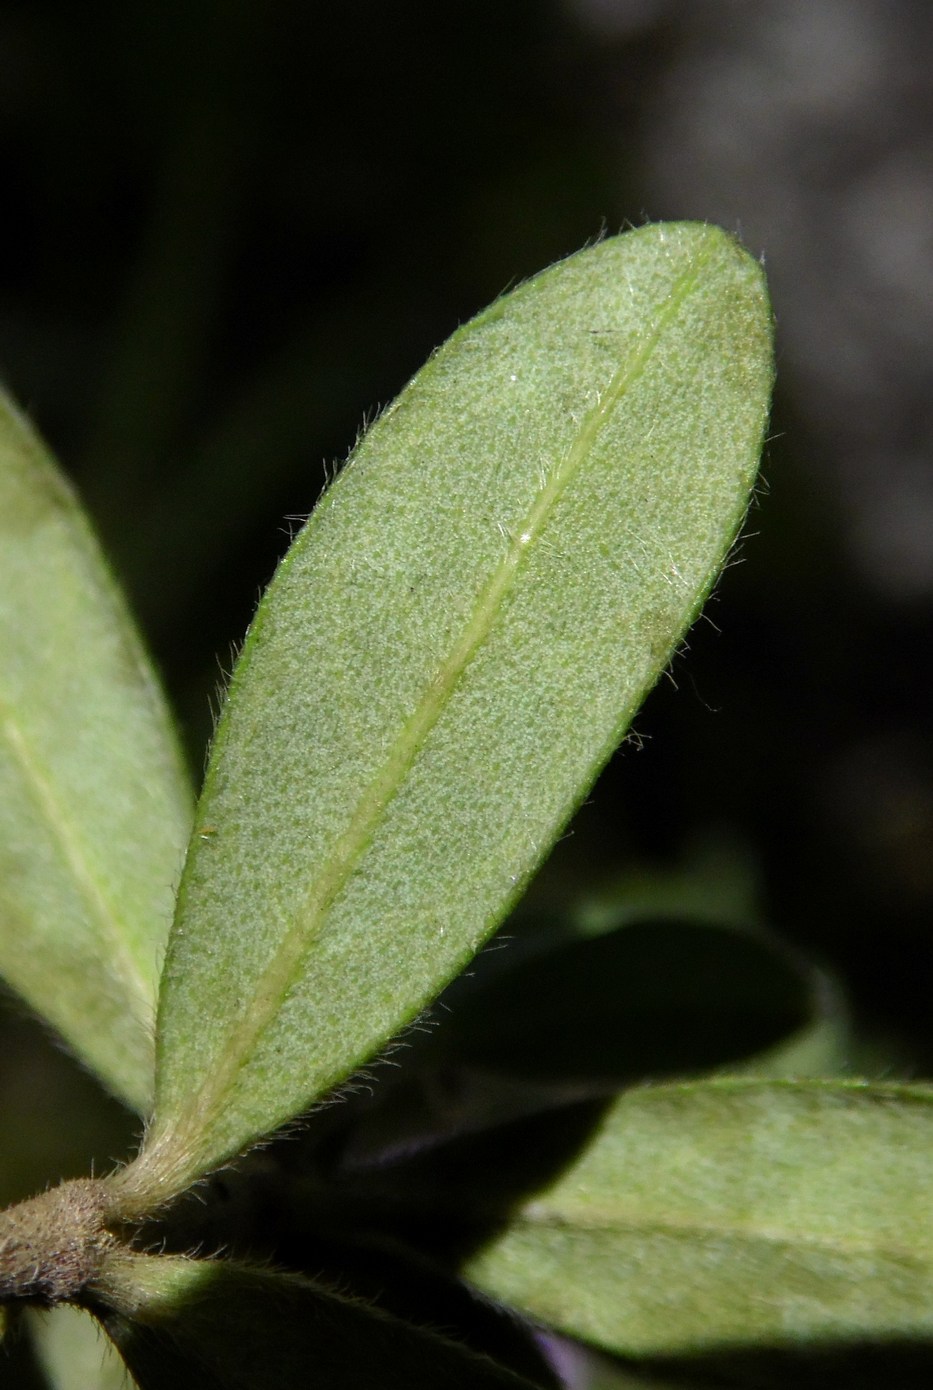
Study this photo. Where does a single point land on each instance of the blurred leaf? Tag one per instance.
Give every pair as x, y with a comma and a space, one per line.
57, 1121
823, 1047
716, 880
74, 1353
653, 999
94, 804
731, 1213
216, 1325
449, 654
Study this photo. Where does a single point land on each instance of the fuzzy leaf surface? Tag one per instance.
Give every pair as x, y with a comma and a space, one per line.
733, 1213
448, 655
217, 1325
95, 808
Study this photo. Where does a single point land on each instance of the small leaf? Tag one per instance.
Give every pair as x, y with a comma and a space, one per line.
731, 1213
94, 803
452, 649
217, 1325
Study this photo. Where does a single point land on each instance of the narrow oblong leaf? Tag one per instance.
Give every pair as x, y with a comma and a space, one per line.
94, 800
185, 1324
453, 647
731, 1213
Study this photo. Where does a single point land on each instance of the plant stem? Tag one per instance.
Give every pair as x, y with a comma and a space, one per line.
52, 1246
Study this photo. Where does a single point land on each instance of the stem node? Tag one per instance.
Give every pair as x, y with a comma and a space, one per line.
52, 1246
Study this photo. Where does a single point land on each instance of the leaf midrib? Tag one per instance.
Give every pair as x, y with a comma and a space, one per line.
283, 971
120, 962
738, 1233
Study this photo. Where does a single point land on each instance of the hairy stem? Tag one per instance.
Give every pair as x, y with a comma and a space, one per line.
54, 1245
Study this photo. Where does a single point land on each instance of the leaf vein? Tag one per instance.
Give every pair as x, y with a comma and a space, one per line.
121, 963
283, 971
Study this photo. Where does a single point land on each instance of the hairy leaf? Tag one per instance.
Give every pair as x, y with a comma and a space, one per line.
730, 1213
94, 803
453, 647
217, 1325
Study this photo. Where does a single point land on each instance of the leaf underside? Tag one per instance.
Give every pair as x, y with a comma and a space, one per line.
733, 1213
95, 808
453, 647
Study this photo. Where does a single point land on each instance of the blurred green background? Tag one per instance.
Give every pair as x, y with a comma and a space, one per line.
232, 230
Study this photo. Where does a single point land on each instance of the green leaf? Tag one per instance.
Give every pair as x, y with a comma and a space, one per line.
218, 1325
732, 1213
74, 1353
654, 999
454, 646
822, 1048
94, 805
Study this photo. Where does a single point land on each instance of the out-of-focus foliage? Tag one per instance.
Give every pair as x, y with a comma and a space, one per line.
95, 808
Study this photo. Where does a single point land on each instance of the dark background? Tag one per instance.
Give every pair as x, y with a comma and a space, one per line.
232, 229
